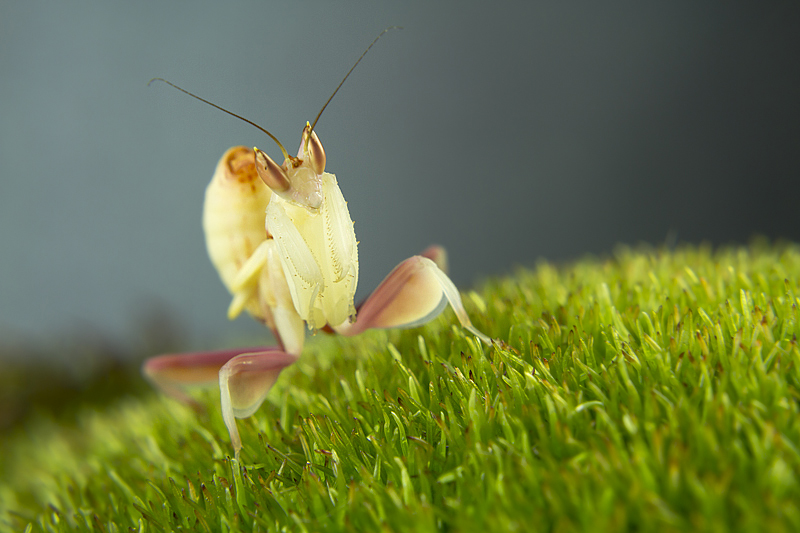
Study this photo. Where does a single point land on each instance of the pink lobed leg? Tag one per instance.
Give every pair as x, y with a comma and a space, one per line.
414, 293
245, 376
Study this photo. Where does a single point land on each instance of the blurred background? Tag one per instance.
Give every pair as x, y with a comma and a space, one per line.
507, 132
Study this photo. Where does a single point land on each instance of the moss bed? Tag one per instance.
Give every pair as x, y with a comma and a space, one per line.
656, 390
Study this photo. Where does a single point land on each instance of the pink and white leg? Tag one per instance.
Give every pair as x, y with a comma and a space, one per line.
414, 293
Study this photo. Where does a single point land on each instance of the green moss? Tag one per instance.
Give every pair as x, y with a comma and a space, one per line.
653, 391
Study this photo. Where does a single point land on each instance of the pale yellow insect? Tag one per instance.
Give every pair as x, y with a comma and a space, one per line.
282, 240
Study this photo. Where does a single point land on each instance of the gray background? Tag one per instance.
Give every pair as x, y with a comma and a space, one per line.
505, 131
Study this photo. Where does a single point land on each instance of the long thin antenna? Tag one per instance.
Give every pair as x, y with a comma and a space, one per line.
285, 153
348, 74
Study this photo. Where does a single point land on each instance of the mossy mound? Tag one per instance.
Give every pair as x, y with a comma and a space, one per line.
656, 390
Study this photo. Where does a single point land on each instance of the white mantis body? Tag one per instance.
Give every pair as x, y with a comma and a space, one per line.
282, 240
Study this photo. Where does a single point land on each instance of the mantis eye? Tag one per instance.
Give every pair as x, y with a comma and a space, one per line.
314, 150
270, 172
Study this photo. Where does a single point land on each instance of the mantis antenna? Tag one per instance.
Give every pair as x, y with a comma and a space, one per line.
311, 129
271, 136
285, 153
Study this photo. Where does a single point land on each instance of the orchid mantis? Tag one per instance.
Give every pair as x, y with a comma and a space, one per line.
282, 240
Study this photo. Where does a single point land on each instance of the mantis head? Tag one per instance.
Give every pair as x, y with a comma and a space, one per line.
298, 180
